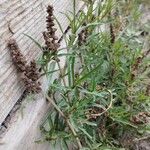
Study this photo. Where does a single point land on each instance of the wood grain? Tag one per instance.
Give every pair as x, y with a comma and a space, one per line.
18, 17
24, 126
23, 129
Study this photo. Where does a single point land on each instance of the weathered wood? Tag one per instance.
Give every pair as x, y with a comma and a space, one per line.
23, 129
18, 17
24, 125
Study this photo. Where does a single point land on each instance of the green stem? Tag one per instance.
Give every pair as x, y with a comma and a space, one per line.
61, 73
67, 121
64, 82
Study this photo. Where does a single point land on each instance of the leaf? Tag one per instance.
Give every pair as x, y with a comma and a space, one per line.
61, 29
90, 123
125, 122
105, 67
50, 72
84, 148
66, 54
36, 42
86, 133
64, 145
87, 75
101, 94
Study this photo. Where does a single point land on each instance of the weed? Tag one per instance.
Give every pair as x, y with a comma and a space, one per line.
107, 98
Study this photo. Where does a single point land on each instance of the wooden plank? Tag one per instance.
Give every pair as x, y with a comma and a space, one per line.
23, 130
20, 135
18, 17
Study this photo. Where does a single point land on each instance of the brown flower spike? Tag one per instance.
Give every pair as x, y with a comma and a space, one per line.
31, 86
82, 36
51, 40
30, 74
32, 71
17, 57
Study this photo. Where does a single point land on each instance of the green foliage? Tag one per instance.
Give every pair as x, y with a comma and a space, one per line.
100, 99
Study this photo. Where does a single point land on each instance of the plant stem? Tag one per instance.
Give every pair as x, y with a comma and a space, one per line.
61, 73
74, 16
64, 82
110, 105
66, 119
74, 133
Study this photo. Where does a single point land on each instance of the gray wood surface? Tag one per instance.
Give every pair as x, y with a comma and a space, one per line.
18, 17
23, 129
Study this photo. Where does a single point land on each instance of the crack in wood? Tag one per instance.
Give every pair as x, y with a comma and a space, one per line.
6, 123
9, 28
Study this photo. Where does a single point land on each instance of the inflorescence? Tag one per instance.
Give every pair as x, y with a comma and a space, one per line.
30, 73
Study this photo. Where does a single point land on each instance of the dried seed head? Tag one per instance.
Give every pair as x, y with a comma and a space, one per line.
148, 90
31, 76
51, 40
17, 57
82, 36
138, 62
50, 9
31, 86
30, 73
141, 118
48, 42
112, 34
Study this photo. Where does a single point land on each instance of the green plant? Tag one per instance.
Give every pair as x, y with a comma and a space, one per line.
102, 101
